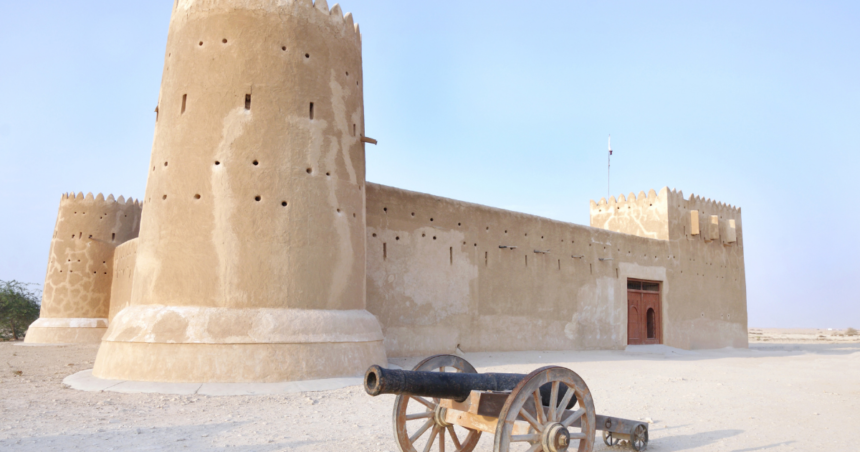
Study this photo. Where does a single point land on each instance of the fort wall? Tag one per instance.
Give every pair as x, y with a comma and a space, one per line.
264, 256
76, 297
443, 273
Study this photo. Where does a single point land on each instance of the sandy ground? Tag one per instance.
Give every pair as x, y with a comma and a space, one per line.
792, 390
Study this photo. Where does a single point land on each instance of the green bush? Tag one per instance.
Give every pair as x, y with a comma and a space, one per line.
19, 307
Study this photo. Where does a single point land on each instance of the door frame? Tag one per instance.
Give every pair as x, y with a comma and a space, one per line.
659, 312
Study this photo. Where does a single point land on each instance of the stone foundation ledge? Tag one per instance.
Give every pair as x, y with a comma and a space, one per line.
66, 331
85, 381
189, 344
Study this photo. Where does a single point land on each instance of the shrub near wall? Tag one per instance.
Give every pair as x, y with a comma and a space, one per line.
19, 307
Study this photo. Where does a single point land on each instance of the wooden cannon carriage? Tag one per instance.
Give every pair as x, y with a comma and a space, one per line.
549, 410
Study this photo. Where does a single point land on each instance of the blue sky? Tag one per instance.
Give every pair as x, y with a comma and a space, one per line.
508, 104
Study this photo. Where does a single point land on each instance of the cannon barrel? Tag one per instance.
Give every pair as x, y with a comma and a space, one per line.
446, 385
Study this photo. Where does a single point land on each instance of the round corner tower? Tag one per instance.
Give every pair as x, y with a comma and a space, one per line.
251, 258
76, 297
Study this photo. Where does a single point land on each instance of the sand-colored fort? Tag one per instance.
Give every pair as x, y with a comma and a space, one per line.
260, 252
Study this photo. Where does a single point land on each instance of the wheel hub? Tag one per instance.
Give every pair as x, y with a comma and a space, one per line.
556, 438
439, 416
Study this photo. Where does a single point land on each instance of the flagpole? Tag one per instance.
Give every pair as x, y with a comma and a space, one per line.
609, 171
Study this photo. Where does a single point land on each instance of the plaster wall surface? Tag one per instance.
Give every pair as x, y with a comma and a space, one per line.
124, 258
645, 215
76, 297
710, 301
255, 217
443, 273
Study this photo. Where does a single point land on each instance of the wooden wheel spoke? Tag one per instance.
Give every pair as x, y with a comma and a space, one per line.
535, 448
432, 439
454, 437
525, 438
576, 415
424, 402
564, 401
421, 430
441, 440
538, 406
528, 417
553, 398
424, 415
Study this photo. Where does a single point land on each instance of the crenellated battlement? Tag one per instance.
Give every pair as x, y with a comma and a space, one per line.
631, 199
706, 203
100, 198
665, 194
335, 14
652, 215
643, 215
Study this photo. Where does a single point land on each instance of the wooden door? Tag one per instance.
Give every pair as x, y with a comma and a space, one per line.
644, 319
651, 309
634, 319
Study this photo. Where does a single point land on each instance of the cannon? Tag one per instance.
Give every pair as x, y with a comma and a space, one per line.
444, 402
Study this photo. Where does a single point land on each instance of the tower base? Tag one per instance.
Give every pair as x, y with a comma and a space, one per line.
66, 331
207, 345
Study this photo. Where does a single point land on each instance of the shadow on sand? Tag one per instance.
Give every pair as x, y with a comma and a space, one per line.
188, 437
536, 359
688, 442
769, 446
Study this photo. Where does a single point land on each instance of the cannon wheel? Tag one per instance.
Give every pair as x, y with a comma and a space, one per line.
639, 437
609, 439
434, 418
550, 431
